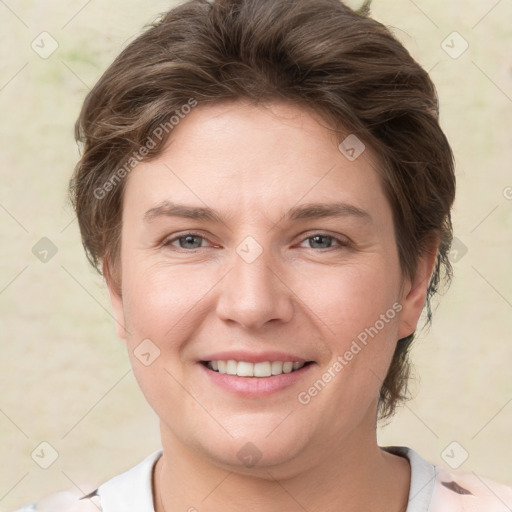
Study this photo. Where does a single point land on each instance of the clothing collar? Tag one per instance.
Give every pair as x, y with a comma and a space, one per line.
423, 478
132, 490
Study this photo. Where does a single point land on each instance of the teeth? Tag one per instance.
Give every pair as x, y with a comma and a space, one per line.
261, 369
277, 367
231, 367
246, 369
287, 367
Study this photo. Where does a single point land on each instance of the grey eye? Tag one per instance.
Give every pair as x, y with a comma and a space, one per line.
189, 240
321, 241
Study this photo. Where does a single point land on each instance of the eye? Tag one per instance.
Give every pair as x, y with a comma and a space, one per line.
186, 241
324, 241
193, 241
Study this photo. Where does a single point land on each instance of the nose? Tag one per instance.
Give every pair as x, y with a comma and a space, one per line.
253, 294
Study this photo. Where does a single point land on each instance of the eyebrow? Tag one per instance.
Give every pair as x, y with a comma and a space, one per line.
302, 212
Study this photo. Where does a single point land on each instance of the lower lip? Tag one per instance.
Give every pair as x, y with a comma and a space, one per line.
255, 387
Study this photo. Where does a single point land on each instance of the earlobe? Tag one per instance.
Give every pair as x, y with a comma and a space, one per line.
114, 291
415, 293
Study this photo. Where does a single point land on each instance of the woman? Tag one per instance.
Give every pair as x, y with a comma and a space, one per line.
266, 189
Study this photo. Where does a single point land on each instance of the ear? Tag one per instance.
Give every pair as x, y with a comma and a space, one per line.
414, 292
113, 282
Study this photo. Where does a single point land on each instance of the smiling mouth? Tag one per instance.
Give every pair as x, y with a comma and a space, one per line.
247, 369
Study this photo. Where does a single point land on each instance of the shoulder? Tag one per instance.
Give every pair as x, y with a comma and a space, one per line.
461, 491
126, 492
434, 488
64, 502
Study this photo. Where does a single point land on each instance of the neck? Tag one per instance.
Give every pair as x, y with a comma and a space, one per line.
355, 474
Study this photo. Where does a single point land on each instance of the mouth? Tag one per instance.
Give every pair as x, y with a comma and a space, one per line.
263, 369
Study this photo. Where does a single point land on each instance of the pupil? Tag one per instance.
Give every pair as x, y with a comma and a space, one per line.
190, 239
316, 239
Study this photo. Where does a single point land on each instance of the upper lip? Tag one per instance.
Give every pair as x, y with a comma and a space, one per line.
253, 357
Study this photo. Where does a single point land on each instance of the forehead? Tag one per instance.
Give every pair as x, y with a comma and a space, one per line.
243, 158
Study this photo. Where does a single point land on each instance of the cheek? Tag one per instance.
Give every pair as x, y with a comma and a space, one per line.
163, 302
352, 297
361, 309
159, 308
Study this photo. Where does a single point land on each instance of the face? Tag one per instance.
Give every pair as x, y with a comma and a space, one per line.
253, 239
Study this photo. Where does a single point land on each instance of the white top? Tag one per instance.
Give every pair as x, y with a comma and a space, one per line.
433, 489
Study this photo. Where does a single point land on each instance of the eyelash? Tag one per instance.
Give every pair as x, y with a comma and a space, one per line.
341, 243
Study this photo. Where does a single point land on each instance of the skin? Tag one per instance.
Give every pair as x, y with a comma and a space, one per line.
308, 296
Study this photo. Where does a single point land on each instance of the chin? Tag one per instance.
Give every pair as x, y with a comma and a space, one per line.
257, 447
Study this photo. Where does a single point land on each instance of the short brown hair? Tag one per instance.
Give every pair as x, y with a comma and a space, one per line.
319, 54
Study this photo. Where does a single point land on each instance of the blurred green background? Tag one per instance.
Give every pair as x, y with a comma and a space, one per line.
65, 378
